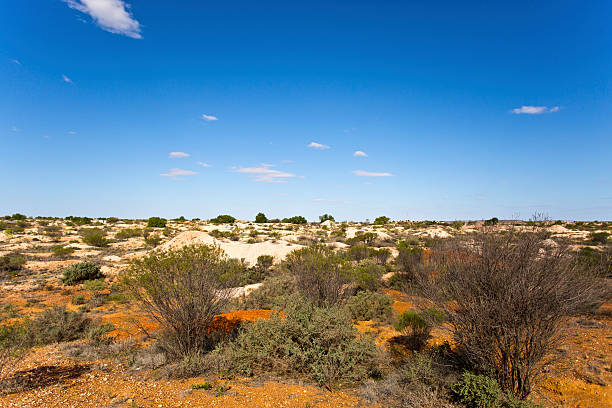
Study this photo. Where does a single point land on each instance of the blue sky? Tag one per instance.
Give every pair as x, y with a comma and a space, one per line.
462, 110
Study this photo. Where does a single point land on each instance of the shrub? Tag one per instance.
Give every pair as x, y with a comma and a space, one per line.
183, 289
13, 345
261, 218
320, 274
112, 220
457, 224
274, 293
367, 275
367, 305
94, 237
326, 217
491, 222
358, 252
320, 343
382, 220
79, 220
153, 240
507, 297
156, 222
78, 300
409, 260
129, 233
223, 219
477, 391
599, 237
57, 325
264, 262
10, 264
18, 217
298, 219
80, 272
62, 252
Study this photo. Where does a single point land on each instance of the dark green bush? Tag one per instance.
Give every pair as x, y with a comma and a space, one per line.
367, 275
81, 272
10, 264
62, 252
599, 238
366, 305
156, 222
491, 222
320, 343
223, 219
79, 220
57, 325
382, 220
129, 233
326, 217
477, 391
261, 218
298, 219
153, 240
94, 237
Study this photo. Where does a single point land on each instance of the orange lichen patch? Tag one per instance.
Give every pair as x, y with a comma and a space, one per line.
570, 392
229, 321
382, 333
128, 323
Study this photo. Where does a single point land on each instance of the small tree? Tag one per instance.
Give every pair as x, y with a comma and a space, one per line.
507, 297
261, 218
223, 219
298, 219
156, 222
94, 237
326, 217
319, 273
382, 220
183, 289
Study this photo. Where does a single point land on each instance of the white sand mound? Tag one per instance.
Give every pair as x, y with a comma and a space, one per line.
351, 232
233, 249
558, 229
435, 233
328, 223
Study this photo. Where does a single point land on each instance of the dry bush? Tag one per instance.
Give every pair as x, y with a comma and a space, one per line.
507, 297
183, 289
320, 274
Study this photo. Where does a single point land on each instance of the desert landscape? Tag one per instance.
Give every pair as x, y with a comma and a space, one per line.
75, 333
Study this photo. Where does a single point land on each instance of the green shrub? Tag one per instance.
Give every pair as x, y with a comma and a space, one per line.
153, 240
11, 264
264, 262
367, 305
78, 300
57, 325
62, 252
366, 238
261, 218
156, 222
80, 272
79, 220
417, 325
320, 274
18, 217
204, 386
477, 391
298, 219
599, 237
94, 237
457, 224
492, 221
94, 285
274, 293
129, 233
320, 343
223, 219
367, 275
326, 217
382, 220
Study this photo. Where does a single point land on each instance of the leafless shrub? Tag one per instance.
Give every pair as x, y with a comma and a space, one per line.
507, 297
183, 289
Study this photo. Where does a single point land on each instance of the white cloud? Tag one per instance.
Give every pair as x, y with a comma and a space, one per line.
363, 173
316, 145
209, 117
178, 155
16, 61
66, 79
72, 132
359, 153
265, 174
15, 129
177, 173
111, 15
204, 164
534, 110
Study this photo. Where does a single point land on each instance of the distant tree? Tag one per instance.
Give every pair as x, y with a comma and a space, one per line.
492, 221
223, 219
326, 217
156, 222
298, 219
18, 217
382, 220
261, 218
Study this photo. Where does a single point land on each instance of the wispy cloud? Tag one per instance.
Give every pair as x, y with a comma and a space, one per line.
363, 173
359, 153
265, 174
16, 61
111, 15
177, 155
316, 145
66, 79
15, 129
71, 132
177, 174
534, 110
209, 117
201, 163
